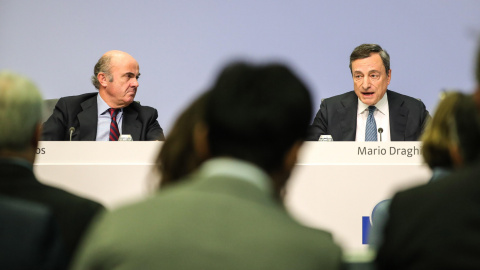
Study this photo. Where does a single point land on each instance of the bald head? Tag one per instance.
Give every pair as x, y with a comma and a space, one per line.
116, 78
104, 64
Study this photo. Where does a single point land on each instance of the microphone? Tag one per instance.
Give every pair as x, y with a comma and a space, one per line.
380, 130
71, 130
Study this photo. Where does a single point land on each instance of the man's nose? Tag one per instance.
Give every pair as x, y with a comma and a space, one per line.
366, 82
135, 82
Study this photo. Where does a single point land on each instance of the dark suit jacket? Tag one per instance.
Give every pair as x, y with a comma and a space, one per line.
338, 117
207, 223
72, 212
435, 226
29, 237
80, 112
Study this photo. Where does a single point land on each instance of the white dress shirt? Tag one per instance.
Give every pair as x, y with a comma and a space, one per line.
382, 119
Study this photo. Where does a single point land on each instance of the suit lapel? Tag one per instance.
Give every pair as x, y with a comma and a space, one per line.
398, 117
130, 123
348, 117
87, 119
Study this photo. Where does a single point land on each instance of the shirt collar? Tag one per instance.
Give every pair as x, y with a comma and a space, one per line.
102, 106
382, 105
236, 168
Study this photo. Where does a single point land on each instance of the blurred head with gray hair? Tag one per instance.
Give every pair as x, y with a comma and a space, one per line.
21, 106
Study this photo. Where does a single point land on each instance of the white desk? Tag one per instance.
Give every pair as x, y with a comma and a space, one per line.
332, 187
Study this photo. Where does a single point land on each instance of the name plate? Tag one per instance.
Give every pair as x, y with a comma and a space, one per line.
361, 153
114, 153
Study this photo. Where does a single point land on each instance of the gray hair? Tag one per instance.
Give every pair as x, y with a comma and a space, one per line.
21, 107
103, 65
364, 51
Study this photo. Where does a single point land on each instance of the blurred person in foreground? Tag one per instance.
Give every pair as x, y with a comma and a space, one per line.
177, 157
359, 114
108, 113
228, 214
20, 121
448, 143
436, 226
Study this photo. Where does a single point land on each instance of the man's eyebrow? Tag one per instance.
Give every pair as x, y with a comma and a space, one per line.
129, 74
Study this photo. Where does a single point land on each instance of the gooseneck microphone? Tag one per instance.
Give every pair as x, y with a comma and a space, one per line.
380, 130
71, 130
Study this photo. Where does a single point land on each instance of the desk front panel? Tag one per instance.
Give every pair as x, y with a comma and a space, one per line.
332, 187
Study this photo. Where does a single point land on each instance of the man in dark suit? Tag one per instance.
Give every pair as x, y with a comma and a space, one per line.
347, 117
437, 226
20, 122
88, 117
228, 214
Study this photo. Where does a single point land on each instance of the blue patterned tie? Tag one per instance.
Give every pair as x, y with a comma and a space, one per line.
371, 129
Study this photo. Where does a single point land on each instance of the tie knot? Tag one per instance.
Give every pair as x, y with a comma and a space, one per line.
113, 112
371, 109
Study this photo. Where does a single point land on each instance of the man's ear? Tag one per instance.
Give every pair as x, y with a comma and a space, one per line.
456, 156
37, 135
476, 97
102, 79
200, 141
291, 156
280, 177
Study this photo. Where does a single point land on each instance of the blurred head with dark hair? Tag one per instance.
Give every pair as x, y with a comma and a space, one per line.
178, 157
451, 138
259, 114
466, 125
476, 95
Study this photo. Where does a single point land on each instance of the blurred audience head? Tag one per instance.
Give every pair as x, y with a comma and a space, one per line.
452, 137
21, 107
259, 114
178, 157
476, 95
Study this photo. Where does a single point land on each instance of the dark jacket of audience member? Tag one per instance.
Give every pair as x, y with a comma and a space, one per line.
20, 118
433, 226
29, 237
441, 149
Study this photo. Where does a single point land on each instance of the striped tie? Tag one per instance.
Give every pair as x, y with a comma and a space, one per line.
371, 128
114, 133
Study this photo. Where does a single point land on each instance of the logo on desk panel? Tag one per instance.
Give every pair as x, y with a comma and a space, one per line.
378, 218
366, 226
